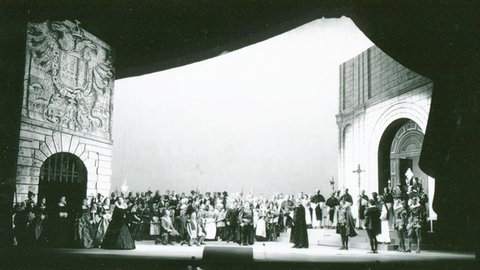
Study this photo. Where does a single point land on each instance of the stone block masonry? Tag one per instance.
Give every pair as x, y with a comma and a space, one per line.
375, 91
67, 104
35, 149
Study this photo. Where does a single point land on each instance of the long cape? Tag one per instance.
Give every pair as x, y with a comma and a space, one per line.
350, 224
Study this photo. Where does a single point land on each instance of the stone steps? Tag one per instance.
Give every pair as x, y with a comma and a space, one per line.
329, 237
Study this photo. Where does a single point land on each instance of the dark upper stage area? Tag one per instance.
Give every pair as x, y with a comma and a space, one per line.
437, 39
150, 36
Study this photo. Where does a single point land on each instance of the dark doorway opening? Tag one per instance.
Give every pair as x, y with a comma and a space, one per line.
63, 174
399, 153
384, 149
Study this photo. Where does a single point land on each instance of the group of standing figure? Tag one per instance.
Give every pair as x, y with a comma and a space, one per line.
115, 222
405, 212
220, 217
59, 227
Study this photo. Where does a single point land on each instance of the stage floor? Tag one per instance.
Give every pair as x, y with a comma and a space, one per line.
272, 251
260, 255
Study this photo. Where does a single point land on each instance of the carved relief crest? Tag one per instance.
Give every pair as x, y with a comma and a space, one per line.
71, 78
70, 73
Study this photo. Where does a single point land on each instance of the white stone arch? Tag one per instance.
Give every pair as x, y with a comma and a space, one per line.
397, 111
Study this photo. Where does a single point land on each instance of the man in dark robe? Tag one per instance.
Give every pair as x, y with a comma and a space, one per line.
285, 209
231, 218
376, 198
362, 205
224, 198
180, 224
157, 197
318, 199
332, 202
245, 218
388, 200
299, 234
20, 222
347, 197
134, 220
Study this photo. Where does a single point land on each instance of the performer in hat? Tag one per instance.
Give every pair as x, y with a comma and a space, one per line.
415, 221
400, 224
345, 225
372, 224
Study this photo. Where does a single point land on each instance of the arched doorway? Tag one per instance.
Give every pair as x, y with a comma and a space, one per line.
399, 151
63, 174
405, 154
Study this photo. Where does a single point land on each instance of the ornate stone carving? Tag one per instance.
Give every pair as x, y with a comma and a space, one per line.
70, 78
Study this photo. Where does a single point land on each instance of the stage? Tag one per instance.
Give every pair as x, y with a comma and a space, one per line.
220, 255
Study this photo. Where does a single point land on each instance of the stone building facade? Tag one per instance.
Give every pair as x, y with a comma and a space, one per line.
65, 135
383, 113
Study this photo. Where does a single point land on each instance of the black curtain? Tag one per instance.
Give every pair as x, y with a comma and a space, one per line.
441, 42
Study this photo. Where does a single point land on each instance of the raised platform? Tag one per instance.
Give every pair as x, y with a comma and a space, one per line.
329, 237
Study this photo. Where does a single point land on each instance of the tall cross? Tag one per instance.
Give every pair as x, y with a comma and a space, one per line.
332, 183
359, 171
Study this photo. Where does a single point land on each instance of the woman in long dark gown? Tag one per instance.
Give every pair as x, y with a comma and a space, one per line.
83, 227
118, 236
105, 216
59, 226
40, 217
299, 234
29, 236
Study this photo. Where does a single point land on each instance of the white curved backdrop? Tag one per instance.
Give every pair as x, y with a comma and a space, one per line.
260, 119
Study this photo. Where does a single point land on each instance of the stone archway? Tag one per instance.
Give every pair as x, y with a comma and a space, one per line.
385, 168
63, 174
399, 150
405, 154
387, 125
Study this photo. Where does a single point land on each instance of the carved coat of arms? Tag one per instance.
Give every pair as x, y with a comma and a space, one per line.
71, 78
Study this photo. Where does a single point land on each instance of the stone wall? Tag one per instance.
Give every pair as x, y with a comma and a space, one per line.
67, 104
375, 90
